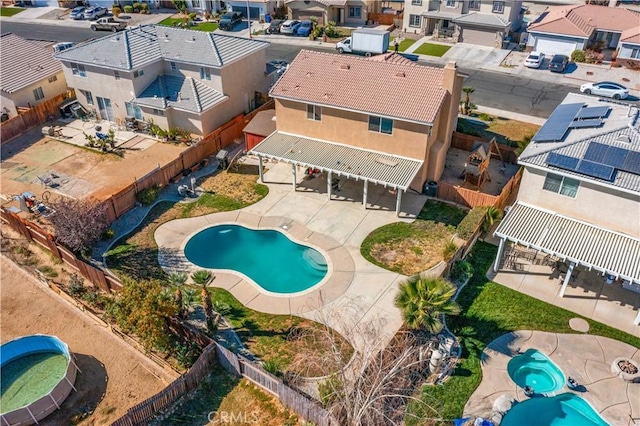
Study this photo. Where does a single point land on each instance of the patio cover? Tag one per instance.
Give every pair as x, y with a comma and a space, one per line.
579, 242
343, 160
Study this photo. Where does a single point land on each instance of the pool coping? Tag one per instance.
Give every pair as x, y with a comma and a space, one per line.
171, 238
586, 358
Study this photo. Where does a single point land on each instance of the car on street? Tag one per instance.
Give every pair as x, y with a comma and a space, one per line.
94, 12
230, 20
278, 65
290, 26
304, 29
607, 89
108, 23
59, 47
77, 13
534, 60
558, 63
274, 26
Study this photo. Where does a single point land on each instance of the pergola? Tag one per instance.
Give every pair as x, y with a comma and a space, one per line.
580, 243
380, 168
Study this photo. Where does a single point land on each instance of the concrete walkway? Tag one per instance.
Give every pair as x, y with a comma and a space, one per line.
586, 358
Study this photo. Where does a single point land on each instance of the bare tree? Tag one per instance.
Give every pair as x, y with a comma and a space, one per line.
374, 385
79, 223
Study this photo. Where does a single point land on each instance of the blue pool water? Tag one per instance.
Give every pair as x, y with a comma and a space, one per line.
565, 409
268, 257
535, 370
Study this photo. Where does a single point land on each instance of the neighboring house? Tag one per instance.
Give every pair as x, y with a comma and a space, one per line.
376, 121
563, 29
579, 198
30, 73
193, 80
257, 8
481, 22
342, 12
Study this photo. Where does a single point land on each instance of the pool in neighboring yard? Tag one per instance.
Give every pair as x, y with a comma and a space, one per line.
565, 409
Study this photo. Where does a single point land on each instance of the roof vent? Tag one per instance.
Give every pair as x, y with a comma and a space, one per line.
326, 96
623, 138
309, 74
400, 74
296, 87
345, 67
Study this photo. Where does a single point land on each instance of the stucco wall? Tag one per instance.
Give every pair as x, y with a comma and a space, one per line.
595, 204
25, 97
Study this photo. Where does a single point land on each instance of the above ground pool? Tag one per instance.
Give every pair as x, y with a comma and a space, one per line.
565, 409
267, 257
37, 374
535, 370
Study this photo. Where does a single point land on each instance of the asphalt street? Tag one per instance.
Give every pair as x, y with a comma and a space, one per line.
492, 89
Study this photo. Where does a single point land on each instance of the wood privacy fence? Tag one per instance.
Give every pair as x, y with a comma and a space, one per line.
189, 159
467, 142
35, 115
383, 18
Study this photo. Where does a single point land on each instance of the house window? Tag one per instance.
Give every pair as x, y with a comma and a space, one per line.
138, 73
561, 185
196, 4
89, 96
474, 5
498, 7
205, 73
133, 110
452, 3
314, 112
416, 2
158, 112
38, 93
78, 69
414, 20
116, 75
53, 78
355, 12
173, 66
380, 125
635, 54
445, 23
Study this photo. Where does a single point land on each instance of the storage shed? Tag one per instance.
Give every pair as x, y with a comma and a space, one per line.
261, 126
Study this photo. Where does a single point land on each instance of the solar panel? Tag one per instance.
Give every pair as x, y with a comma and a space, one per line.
562, 161
581, 124
596, 152
593, 112
632, 163
596, 170
558, 123
615, 157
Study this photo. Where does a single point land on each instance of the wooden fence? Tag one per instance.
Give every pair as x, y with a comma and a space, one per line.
35, 115
466, 142
383, 18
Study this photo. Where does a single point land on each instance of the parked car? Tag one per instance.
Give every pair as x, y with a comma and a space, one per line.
278, 65
274, 27
229, 20
534, 60
290, 26
59, 47
108, 24
558, 63
95, 12
304, 29
606, 89
77, 13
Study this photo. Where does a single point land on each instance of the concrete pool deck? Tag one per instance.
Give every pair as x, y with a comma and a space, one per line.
586, 358
336, 227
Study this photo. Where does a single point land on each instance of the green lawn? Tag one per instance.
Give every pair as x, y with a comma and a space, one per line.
10, 11
490, 310
432, 49
404, 44
204, 26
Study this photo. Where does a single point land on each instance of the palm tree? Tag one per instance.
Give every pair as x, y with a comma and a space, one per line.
423, 300
491, 217
468, 90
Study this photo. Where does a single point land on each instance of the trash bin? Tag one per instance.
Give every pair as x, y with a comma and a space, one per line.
431, 188
223, 159
267, 18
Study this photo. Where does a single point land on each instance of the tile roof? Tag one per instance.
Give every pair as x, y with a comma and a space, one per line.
343, 160
409, 92
621, 129
23, 62
483, 19
185, 93
590, 245
324, 2
138, 46
583, 20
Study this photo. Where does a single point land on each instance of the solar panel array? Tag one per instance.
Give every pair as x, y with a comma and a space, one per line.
570, 116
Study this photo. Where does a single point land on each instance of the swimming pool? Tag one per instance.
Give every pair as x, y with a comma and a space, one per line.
536, 370
267, 257
565, 409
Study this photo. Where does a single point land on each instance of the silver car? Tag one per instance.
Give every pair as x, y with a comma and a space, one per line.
607, 89
289, 26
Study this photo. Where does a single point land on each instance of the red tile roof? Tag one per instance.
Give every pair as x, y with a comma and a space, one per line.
406, 91
583, 20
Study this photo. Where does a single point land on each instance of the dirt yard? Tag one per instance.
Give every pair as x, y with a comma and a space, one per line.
114, 376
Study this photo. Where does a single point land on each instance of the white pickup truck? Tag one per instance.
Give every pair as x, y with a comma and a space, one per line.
108, 24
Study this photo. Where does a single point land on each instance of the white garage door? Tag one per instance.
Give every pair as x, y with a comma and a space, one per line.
555, 47
483, 38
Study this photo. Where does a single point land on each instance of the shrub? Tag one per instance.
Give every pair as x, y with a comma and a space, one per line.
221, 308
207, 15
186, 354
272, 366
136, 7
79, 223
471, 222
578, 56
116, 11
76, 286
192, 16
201, 277
461, 271
449, 250
48, 271
149, 195
330, 30
144, 8
108, 234
128, 8
485, 117
330, 390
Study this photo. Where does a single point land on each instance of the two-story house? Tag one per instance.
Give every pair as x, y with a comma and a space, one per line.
579, 198
193, 80
342, 12
257, 9
382, 121
30, 74
483, 22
